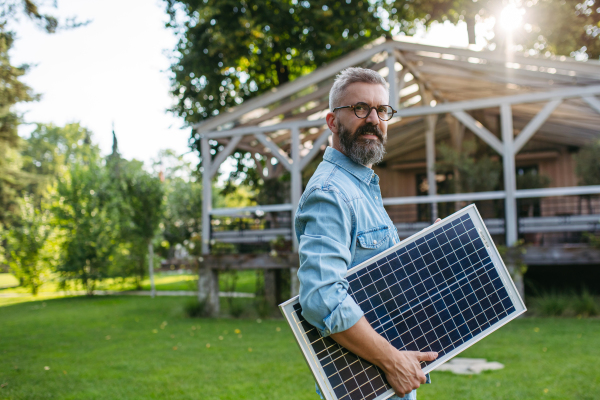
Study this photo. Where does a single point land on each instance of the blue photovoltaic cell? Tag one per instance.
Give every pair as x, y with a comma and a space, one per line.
433, 294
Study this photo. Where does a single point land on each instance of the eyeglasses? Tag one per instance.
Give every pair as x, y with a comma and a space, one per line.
362, 110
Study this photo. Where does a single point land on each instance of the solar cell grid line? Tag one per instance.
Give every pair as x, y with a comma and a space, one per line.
443, 289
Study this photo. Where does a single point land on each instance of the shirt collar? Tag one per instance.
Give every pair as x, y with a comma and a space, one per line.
338, 158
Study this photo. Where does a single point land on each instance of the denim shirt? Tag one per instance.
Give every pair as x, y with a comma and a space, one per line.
340, 222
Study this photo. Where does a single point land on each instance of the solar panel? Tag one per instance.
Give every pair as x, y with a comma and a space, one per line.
442, 289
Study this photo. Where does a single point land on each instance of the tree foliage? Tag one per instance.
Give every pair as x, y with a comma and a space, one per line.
587, 165
140, 213
50, 150
232, 50
33, 243
88, 209
12, 91
548, 26
473, 168
182, 217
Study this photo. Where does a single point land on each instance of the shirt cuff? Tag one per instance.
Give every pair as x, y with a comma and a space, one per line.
343, 317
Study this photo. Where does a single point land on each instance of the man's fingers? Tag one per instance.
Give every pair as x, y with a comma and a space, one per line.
429, 356
437, 220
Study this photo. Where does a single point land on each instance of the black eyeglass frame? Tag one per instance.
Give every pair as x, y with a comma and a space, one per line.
370, 109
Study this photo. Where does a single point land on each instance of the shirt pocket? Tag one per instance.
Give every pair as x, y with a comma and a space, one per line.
373, 238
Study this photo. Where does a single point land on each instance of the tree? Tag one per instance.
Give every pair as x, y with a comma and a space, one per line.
88, 209
141, 211
587, 168
232, 50
33, 243
587, 164
49, 151
475, 169
12, 91
563, 27
182, 219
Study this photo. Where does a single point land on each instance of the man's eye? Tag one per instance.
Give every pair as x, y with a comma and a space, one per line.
382, 109
360, 107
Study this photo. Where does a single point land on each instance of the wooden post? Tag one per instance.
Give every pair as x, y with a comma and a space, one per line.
151, 269
430, 122
295, 197
392, 79
510, 179
430, 149
206, 194
208, 288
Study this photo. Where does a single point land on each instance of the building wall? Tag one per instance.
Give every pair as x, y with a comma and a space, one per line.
396, 183
560, 169
561, 172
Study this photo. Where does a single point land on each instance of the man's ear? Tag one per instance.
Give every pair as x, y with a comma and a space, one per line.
332, 122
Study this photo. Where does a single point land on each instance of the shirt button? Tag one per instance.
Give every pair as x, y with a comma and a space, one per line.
374, 241
327, 332
376, 197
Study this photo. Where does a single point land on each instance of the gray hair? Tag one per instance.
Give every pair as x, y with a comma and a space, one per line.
350, 76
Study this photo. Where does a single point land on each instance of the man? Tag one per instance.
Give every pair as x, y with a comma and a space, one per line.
341, 222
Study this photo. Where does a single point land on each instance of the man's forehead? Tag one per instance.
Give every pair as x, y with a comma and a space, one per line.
367, 92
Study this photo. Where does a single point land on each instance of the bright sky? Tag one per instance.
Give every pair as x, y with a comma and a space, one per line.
115, 69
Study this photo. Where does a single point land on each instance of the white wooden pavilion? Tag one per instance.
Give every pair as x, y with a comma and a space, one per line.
438, 92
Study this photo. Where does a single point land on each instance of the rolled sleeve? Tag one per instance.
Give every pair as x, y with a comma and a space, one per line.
324, 228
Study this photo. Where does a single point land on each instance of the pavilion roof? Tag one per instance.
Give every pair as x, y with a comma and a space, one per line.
426, 76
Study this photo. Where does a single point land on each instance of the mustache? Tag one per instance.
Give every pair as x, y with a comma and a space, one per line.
369, 130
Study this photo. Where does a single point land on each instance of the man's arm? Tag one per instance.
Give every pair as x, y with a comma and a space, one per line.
401, 368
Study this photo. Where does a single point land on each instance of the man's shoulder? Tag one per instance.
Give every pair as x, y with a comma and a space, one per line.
331, 178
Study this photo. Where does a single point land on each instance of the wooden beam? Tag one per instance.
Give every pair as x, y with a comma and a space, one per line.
315, 149
290, 105
593, 102
246, 130
535, 124
206, 194
510, 179
296, 182
275, 150
478, 129
392, 79
416, 73
477, 104
409, 166
589, 67
283, 91
223, 154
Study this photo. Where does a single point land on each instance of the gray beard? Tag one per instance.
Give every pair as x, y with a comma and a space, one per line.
362, 151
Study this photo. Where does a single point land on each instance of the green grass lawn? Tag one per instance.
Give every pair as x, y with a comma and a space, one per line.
142, 348
8, 280
246, 282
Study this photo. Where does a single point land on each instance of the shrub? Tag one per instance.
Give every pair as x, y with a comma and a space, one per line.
586, 304
194, 308
263, 308
236, 307
551, 304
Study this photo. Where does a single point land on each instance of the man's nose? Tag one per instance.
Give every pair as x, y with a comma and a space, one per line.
372, 118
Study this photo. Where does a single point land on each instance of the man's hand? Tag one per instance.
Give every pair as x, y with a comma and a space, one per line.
403, 370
